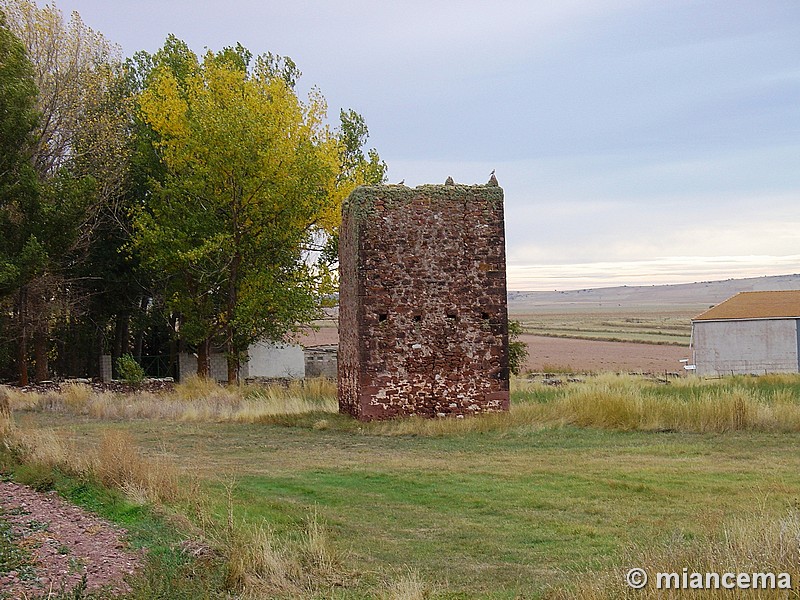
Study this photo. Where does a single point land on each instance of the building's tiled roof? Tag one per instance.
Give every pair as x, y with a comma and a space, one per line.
756, 305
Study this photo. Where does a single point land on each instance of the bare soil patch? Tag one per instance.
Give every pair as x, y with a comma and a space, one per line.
64, 543
566, 354
548, 353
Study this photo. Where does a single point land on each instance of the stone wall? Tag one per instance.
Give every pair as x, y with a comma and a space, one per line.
423, 325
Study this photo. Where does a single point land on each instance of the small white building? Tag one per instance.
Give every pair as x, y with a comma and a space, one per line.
750, 333
265, 360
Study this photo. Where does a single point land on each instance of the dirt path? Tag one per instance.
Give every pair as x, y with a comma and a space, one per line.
60, 544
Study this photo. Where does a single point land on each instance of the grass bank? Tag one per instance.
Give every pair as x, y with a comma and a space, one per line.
555, 499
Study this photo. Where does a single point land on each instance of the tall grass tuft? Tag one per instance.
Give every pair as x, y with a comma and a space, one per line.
256, 567
19, 400
116, 462
200, 388
120, 464
758, 544
49, 449
628, 403
259, 565
407, 587
76, 397
320, 559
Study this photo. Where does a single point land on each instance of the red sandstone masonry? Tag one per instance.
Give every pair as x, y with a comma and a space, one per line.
423, 325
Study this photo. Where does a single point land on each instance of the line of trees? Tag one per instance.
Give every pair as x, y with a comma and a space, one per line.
161, 201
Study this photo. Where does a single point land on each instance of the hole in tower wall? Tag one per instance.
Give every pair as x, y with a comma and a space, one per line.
417, 318
382, 317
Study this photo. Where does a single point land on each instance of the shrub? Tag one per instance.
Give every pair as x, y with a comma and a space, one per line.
129, 370
517, 349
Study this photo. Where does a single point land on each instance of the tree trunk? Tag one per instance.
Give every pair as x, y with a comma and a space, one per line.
40, 347
233, 361
22, 348
175, 347
138, 345
121, 331
97, 354
233, 288
204, 358
139, 339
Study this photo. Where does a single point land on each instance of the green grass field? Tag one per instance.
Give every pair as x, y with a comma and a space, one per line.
508, 507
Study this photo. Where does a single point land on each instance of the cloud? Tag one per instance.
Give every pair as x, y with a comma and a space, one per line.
622, 131
666, 270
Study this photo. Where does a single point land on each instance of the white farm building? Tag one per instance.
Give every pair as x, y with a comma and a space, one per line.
265, 360
750, 333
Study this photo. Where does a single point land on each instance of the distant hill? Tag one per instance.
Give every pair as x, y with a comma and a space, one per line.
684, 295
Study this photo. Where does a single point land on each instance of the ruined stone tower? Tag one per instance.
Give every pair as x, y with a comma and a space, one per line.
423, 325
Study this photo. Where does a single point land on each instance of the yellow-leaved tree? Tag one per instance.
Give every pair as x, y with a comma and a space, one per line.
253, 184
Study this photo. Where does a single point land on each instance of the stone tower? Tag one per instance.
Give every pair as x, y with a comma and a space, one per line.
423, 321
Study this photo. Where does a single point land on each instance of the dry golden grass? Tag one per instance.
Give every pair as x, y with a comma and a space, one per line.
19, 400
629, 403
257, 568
196, 388
48, 448
408, 587
454, 426
204, 400
116, 462
759, 544
120, 464
6, 420
76, 397
196, 400
618, 402
626, 403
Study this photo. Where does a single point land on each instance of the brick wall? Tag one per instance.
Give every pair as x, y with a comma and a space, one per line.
423, 319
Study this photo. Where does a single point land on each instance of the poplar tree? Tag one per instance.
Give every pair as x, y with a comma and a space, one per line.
253, 187
78, 151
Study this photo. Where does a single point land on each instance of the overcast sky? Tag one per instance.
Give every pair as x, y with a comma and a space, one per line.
637, 141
